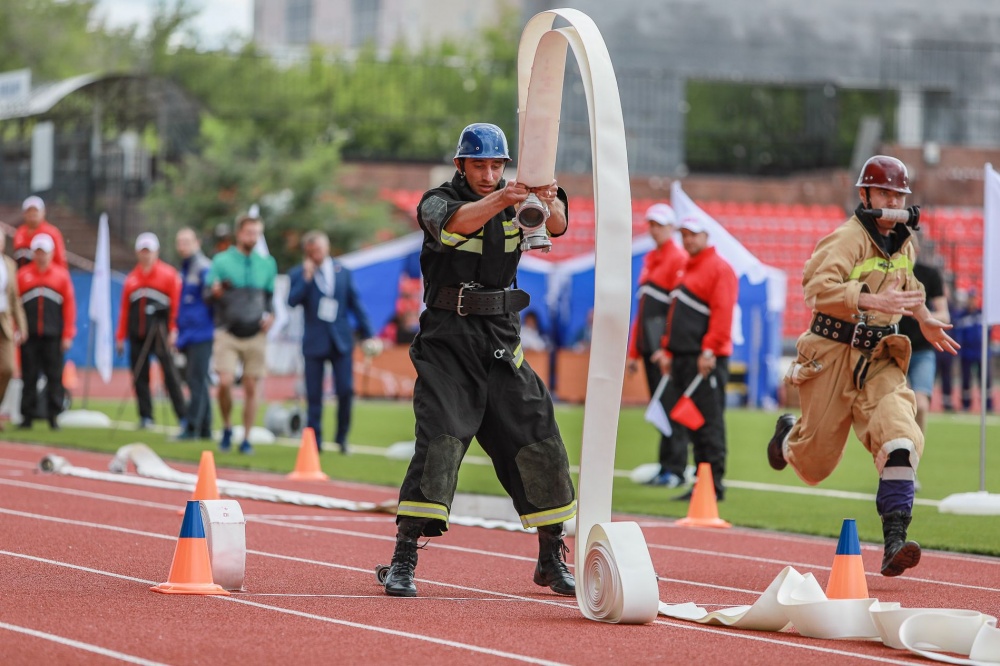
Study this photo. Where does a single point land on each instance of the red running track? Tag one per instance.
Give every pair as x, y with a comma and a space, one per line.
77, 558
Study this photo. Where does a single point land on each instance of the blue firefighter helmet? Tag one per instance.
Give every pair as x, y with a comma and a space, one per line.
484, 141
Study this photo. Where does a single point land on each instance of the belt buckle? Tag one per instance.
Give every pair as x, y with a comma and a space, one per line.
461, 292
862, 322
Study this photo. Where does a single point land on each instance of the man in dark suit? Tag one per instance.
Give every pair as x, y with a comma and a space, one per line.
325, 290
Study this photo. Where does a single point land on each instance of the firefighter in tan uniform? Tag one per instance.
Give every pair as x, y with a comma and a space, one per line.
851, 364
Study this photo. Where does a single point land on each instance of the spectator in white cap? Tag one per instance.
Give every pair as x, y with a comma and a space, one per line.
699, 342
50, 309
35, 223
661, 272
13, 326
148, 320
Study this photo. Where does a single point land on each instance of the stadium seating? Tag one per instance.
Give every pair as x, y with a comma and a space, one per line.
781, 235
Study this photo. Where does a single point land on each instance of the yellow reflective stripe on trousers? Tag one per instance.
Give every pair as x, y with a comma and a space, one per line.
901, 262
550, 517
423, 510
518, 356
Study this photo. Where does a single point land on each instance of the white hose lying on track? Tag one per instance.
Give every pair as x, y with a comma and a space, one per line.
153, 472
796, 600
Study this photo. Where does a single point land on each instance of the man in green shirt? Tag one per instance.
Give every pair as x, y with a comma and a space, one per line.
240, 285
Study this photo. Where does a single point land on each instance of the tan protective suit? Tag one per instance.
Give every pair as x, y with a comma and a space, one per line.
883, 410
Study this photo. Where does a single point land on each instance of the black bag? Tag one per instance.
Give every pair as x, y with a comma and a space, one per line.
243, 309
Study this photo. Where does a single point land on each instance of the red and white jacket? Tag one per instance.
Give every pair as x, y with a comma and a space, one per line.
49, 301
662, 269
701, 314
148, 300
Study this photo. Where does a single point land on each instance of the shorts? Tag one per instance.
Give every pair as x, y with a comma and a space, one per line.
923, 367
227, 349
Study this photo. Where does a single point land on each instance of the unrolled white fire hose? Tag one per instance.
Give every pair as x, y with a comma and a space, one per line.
615, 577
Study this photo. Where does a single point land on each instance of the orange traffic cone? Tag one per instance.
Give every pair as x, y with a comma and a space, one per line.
191, 570
847, 579
703, 510
69, 378
307, 463
207, 488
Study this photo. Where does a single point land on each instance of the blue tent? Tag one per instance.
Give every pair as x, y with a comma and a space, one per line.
562, 295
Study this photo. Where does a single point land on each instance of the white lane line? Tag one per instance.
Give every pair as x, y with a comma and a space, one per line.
804, 565
311, 616
79, 645
86, 493
757, 636
744, 635
816, 540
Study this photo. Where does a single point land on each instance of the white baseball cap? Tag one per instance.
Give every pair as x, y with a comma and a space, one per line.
42, 242
147, 240
693, 223
662, 214
33, 202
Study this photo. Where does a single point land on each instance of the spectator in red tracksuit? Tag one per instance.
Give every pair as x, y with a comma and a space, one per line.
50, 308
34, 224
698, 341
662, 269
148, 320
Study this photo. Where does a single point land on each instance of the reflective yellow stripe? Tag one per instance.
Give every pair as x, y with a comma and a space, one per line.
902, 262
518, 356
450, 239
550, 517
423, 510
472, 245
476, 245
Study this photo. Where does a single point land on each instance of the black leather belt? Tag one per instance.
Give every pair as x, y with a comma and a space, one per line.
472, 299
856, 334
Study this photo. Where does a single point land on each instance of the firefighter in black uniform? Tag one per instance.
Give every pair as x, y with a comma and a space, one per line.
472, 379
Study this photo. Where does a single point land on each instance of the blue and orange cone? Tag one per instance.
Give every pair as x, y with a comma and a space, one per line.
191, 570
847, 579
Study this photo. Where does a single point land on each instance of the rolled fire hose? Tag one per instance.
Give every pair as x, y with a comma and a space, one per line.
615, 577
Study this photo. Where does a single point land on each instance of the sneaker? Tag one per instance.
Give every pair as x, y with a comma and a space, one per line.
343, 447
145, 422
184, 436
667, 480
775, 448
226, 443
246, 448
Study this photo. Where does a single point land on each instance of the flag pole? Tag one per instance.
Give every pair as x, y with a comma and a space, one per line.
90, 363
983, 392
983, 503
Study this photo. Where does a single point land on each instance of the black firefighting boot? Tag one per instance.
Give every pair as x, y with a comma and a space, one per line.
551, 569
399, 580
900, 554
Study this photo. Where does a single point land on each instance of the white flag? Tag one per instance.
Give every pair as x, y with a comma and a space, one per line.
100, 303
655, 413
991, 247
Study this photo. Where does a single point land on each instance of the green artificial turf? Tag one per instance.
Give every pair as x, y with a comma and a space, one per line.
950, 465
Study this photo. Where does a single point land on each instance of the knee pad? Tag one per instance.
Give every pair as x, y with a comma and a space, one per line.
544, 470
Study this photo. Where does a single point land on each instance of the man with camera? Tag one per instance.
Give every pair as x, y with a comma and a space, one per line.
472, 379
240, 286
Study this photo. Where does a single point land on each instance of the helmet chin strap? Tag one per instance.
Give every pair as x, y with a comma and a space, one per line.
868, 198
